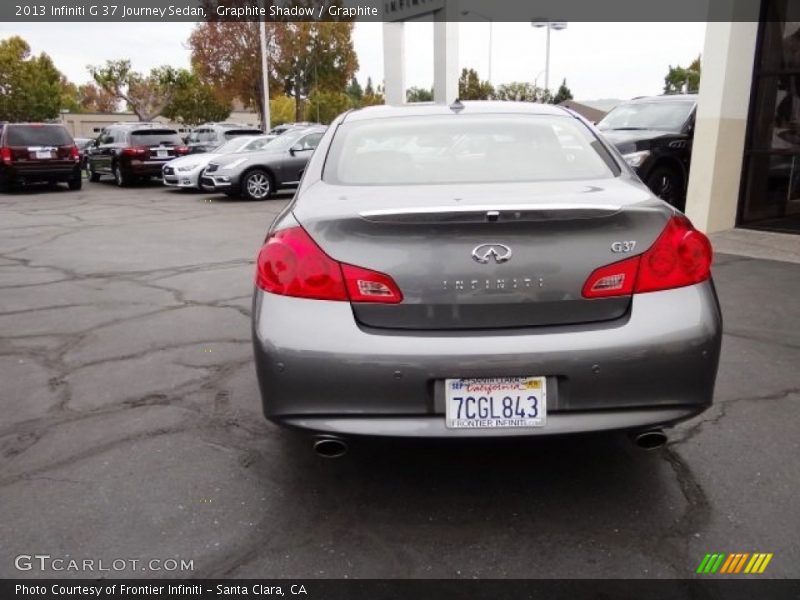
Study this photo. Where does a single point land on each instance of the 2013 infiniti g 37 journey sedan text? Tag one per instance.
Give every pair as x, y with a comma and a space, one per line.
480, 269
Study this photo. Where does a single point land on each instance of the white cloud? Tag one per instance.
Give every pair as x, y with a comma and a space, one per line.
599, 60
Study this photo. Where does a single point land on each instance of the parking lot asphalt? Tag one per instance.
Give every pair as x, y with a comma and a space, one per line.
131, 427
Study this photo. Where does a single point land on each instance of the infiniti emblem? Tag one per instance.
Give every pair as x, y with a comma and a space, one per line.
485, 252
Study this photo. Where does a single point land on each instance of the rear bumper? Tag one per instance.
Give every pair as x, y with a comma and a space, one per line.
319, 370
38, 173
145, 168
560, 423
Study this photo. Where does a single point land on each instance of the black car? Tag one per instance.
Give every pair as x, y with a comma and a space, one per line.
654, 135
208, 136
38, 153
132, 152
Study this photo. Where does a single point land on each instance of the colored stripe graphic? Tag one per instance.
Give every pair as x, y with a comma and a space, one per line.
734, 563
703, 563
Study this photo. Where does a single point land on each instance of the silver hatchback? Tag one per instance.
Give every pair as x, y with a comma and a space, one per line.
476, 270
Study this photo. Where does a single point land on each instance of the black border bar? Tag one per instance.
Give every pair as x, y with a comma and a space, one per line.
632, 11
711, 587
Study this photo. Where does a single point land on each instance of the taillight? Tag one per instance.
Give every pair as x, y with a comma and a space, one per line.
680, 256
136, 151
291, 264
74, 153
181, 150
5, 155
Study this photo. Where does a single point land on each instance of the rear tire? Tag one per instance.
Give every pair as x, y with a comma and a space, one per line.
75, 184
667, 183
120, 178
257, 185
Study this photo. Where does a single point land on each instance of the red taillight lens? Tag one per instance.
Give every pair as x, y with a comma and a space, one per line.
136, 151
680, 256
74, 153
5, 155
291, 264
181, 150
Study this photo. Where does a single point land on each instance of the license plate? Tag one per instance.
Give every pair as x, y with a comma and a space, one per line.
499, 402
162, 153
44, 154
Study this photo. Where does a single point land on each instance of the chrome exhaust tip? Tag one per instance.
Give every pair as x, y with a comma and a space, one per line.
330, 447
650, 440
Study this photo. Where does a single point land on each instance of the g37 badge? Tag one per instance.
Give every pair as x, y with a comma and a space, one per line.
623, 247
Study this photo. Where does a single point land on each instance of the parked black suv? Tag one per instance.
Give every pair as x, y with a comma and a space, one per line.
133, 151
208, 136
38, 152
654, 135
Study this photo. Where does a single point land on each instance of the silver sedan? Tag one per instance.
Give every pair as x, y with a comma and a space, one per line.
480, 270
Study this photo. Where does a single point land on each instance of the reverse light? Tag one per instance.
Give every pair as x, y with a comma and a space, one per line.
680, 256
291, 264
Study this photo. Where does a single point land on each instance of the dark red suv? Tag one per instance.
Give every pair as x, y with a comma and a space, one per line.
38, 152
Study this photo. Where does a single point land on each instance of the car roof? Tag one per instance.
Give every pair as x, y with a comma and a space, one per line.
663, 98
419, 109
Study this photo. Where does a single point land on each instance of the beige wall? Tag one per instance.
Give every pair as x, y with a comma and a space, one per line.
719, 138
87, 125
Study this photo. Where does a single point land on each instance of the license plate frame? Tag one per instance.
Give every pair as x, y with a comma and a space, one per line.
480, 403
43, 154
162, 153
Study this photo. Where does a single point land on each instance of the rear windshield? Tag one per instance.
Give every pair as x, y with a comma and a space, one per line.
661, 116
38, 135
466, 149
232, 133
156, 137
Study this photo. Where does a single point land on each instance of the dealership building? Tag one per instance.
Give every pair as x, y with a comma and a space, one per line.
745, 169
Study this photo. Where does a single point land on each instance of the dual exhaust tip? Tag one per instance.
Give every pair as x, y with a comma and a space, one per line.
333, 447
330, 447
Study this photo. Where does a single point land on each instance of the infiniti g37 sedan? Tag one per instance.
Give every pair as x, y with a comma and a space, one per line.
477, 270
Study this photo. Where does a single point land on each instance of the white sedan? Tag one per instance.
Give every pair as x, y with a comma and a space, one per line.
185, 172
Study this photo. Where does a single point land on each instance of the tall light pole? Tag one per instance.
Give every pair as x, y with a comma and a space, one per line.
265, 116
556, 25
491, 24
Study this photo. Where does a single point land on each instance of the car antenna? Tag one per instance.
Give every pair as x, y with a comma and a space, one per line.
457, 106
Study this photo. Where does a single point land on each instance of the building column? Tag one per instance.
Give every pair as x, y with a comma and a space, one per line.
445, 54
394, 59
719, 137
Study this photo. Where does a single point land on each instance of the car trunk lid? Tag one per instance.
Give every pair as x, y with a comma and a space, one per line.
491, 256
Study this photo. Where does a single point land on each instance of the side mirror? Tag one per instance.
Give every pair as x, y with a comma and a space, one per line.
295, 149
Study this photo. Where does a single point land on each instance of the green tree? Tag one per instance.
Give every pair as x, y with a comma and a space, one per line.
31, 88
681, 80
96, 99
563, 93
416, 94
324, 107
146, 95
355, 92
470, 86
521, 91
314, 56
195, 102
282, 109
372, 96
